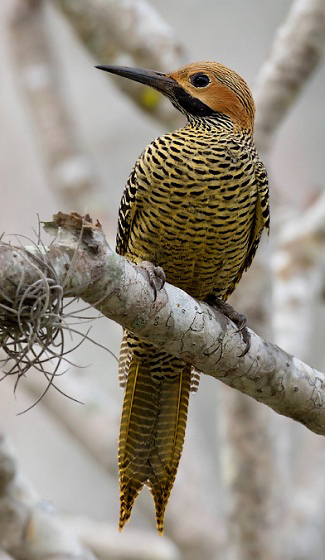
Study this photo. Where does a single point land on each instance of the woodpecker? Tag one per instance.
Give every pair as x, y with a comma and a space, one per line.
195, 206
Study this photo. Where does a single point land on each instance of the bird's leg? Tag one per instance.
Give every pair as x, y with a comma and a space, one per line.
239, 319
156, 276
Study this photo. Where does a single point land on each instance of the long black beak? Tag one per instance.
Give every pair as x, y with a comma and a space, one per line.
157, 80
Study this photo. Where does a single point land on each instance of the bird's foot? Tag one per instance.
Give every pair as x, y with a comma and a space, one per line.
239, 319
156, 276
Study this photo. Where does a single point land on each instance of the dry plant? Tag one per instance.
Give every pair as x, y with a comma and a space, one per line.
38, 322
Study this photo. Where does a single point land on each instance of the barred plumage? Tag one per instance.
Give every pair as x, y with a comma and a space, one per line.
195, 204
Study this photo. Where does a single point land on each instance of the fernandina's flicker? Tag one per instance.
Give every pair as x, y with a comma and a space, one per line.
195, 205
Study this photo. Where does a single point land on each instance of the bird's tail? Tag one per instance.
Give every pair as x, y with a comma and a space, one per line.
152, 432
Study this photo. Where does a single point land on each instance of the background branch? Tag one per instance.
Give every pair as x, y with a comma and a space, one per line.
298, 48
111, 29
255, 441
71, 171
29, 527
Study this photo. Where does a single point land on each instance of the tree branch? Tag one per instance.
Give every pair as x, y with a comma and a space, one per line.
134, 29
106, 543
133, 25
298, 48
299, 265
70, 170
29, 527
85, 266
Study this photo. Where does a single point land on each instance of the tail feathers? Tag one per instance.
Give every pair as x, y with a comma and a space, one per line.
129, 489
160, 489
195, 379
124, 360
137, 432
170, 434
151, 436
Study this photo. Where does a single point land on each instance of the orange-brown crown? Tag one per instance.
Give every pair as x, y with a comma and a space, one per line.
220, 89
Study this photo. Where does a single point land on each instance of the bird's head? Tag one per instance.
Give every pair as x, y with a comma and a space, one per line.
200, 89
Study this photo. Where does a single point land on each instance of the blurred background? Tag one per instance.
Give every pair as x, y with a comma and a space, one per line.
69, 138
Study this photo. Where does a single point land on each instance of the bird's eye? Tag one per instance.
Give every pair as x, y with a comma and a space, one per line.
199, 80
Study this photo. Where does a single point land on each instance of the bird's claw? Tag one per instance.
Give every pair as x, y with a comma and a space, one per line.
156, 276
239, 319
241, 325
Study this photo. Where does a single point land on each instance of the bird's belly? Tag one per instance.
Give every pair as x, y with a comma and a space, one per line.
201, 241
197, 259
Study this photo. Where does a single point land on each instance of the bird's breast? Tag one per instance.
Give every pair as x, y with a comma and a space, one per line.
196, 213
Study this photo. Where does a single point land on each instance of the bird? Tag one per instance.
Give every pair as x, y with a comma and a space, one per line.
192, 212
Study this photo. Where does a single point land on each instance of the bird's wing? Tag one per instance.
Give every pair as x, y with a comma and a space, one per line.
126, 213
261, 219
140, 181
129, 207
262, 212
